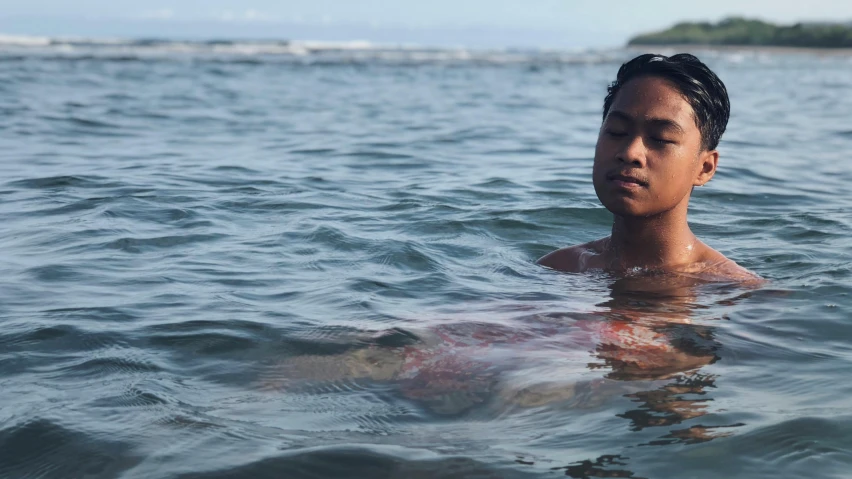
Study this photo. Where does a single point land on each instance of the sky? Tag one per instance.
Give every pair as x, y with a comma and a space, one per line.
477, 23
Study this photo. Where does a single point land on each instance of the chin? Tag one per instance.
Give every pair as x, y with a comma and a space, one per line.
625, 207
619, 205
632, 207
625, 210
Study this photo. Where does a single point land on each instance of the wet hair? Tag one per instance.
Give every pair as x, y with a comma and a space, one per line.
697, 83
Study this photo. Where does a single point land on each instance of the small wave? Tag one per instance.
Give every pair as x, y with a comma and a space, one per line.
59, 273
89, 123
140, 245
202, 344
80, 205
44, 448
108, 366
351, 462
799, 447
205, 337
98, 313
132, 397
69, 181
407, 256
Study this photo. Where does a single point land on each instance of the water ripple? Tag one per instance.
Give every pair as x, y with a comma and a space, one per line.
256, 259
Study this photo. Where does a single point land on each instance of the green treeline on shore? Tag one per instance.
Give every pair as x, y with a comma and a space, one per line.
745, 32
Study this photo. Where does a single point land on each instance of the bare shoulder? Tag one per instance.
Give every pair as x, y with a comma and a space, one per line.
576, 259
716, 265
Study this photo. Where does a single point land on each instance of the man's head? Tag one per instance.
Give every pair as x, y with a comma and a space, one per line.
663, 118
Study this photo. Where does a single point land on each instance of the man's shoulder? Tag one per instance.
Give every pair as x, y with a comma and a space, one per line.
574, 259
717, 265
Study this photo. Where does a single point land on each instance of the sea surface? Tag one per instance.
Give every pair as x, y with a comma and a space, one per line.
221, 260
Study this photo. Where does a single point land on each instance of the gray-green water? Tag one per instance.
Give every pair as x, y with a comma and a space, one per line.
194, 237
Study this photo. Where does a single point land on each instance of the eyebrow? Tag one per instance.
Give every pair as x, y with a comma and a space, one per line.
662, 122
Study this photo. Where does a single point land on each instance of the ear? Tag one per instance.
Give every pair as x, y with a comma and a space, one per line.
707, 162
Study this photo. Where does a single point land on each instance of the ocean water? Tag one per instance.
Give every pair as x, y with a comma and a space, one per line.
298, 260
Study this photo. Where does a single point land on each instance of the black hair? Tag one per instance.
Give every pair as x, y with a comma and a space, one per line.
697, 83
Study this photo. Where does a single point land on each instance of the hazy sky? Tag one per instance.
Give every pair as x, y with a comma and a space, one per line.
507, 22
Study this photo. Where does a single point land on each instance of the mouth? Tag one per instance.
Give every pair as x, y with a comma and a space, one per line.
626, 181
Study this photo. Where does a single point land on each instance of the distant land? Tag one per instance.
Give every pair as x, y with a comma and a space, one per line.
736, 31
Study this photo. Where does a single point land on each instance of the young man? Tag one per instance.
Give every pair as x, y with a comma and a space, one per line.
663, 118
662, 121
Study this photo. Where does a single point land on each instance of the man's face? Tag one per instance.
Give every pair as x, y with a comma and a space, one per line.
649, 155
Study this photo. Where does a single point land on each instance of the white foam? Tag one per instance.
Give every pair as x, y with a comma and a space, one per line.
309, 51
302, 51
24, 40
350, 45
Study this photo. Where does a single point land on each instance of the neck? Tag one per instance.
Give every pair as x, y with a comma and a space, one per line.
661, 241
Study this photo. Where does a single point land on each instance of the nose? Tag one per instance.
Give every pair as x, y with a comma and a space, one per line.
633, 151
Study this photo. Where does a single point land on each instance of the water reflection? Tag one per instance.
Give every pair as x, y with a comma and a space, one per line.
663, 344
603, 466
649, 342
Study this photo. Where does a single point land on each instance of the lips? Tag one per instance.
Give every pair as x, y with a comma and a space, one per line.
626, 180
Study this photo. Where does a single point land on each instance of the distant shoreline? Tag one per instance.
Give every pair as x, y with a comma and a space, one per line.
685, 47
743, 32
